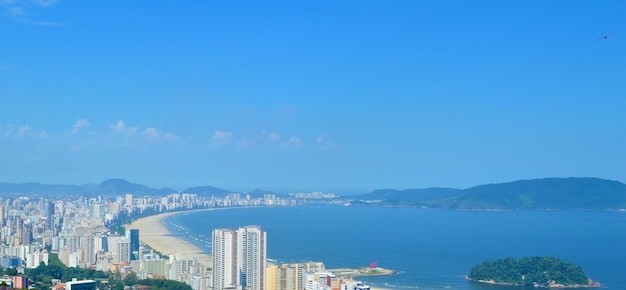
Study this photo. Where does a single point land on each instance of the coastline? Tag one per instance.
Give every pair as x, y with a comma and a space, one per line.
362, 272
154, 233
591, 284
157, 236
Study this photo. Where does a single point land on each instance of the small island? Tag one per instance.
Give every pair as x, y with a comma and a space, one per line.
548, 272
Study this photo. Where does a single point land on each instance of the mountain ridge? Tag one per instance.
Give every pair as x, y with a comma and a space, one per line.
111, 187
569, 193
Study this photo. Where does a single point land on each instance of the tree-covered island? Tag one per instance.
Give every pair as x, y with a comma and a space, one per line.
549, 272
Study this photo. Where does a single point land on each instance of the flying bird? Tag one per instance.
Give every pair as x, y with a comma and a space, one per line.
605, 36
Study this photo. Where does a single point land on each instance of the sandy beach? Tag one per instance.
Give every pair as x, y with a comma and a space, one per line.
153, 233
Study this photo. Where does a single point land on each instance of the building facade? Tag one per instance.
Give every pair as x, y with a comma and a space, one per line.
239, 258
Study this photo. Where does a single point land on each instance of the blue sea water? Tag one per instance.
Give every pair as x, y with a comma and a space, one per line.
430, 249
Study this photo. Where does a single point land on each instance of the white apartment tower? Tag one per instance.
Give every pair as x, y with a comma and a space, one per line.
239, 258
252, 256
224, 259
128, 200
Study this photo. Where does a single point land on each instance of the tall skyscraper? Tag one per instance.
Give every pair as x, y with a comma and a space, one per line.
224, 259
252, 256
129, 200
50, 215
239, 258
96, 211
1, 214
134, 244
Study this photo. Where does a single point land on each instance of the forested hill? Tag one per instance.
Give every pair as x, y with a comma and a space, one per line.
532, 271
547, 194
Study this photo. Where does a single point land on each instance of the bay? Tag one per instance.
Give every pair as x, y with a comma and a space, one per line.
430, 249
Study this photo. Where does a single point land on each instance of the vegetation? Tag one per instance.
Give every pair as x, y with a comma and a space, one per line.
161, 284
42, 275
530, 271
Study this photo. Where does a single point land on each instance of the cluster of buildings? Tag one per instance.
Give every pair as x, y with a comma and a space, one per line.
78, 230
240, 262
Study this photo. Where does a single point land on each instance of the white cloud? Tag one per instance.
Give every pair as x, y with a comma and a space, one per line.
16, 11
21, 10
246, 142
151, 132
268, 137
265, 140
121, 128
22, 131
170, 136
220, 135
273, 136
45, 3
154, 134
9, 132
293, 143
268, 140
323, 143
81, 124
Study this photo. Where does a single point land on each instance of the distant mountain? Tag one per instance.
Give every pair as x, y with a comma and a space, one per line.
207, 191
32, 188
547, 193
259, 193
108, 187
117, 186
410, 196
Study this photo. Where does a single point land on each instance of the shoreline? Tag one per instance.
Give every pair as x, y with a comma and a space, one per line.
591, 284
157, 236
154, 233
362, 272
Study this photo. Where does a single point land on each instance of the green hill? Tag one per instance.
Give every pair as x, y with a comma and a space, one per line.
531, 271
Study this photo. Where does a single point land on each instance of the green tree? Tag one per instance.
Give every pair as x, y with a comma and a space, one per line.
131, 279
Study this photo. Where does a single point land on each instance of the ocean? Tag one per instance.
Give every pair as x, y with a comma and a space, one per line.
429, 248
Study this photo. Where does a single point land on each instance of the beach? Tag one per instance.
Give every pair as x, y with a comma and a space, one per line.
153, 233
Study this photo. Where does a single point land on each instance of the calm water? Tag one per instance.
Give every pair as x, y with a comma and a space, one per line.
430, 249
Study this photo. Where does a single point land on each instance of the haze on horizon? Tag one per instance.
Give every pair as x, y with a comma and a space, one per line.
318, 95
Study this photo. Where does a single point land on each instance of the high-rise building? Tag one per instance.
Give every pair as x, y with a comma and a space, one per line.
1, 214
252, 256
123, 250
129, 200
89, 249
224, 259
134, 244
96, 211
50, 215
239, 258
121, 246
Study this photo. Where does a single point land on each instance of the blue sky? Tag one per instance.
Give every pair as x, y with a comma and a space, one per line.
344, 96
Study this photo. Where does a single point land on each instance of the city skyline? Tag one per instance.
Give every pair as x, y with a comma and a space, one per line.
342, 97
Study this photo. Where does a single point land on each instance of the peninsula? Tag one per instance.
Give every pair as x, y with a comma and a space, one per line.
547, 272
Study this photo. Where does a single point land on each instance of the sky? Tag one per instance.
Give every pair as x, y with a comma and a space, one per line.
340, 96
